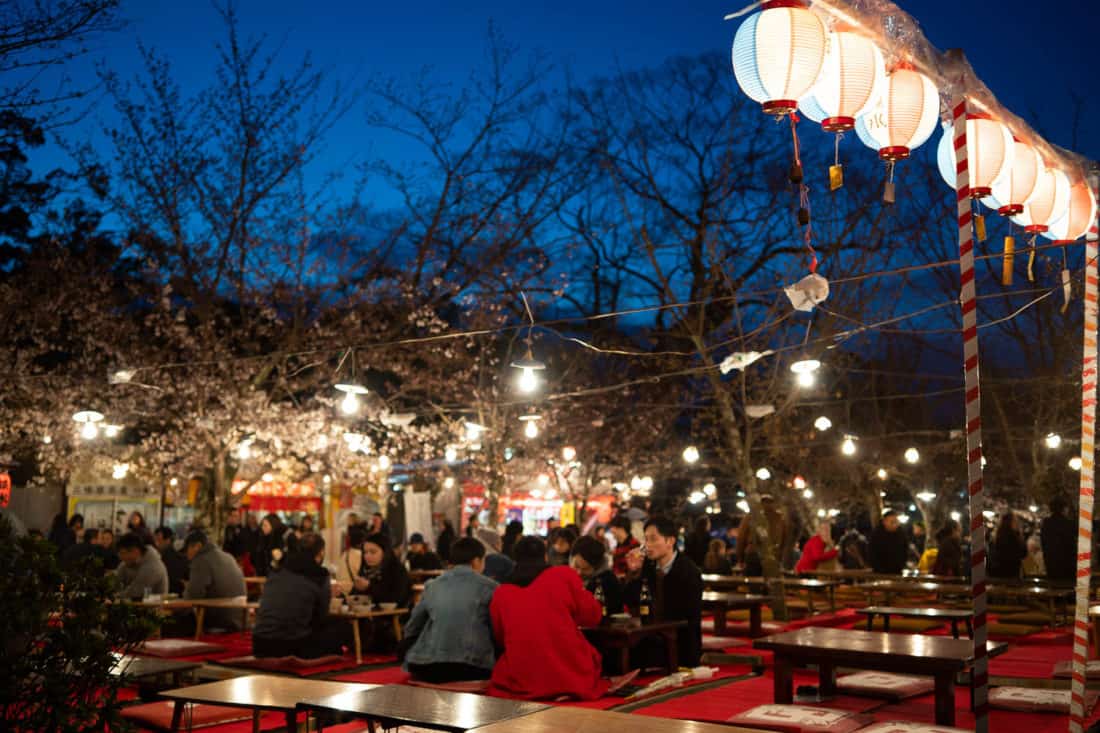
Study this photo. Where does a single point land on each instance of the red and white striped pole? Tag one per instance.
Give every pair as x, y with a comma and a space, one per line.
980, 670
1088, 444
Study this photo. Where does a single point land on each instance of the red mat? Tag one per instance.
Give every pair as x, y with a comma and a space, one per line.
384, 676
1030, 660
922, 709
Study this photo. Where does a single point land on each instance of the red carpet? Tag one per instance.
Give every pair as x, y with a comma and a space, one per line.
384, 676
922, 709
1030, 660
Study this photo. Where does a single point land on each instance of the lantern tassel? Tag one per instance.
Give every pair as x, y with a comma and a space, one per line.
1006, 269
836, 170
1031, 260
888, 193
979, 222
1067, 289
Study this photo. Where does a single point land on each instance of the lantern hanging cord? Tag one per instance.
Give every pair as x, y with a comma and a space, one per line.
743, 11
808, 233
794, 137
836, 148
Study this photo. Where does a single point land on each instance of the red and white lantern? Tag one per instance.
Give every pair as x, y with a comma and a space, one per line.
853, 76
1080, 215
1048, 203
905, 116
778, 54
990, 150
1015, 188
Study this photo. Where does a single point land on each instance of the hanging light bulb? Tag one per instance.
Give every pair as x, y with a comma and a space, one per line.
926, 496
1075, 463
267, 477
744, 506
807, 494
384, 462
350, 404
763, 474
244, 450
88, 420
691, 454
1033, 508
848, 447
544, 479
778, 54
823, 423
473, 431
1047, 204
120, 470
112, 431
449, 482
89, 431
989, 154
912, 455
804, 371
956, 516
531, 426
636, 483
647, 483
881, 473
528, 380
174, 482
799, 482
451, 454
710, 489
904, 117
1053, 441
568, 453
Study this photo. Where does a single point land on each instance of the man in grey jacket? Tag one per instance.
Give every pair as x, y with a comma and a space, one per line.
140, 569
214, 574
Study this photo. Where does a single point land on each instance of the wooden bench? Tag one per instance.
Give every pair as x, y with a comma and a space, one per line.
722, 603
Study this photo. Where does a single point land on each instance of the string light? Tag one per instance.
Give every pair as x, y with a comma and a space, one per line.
1053, 441
691, 454
350, 404
568, 453
763, 474
531, 426
1075, 463
823, 423
881, 473
848, 447
912, 455
451, 454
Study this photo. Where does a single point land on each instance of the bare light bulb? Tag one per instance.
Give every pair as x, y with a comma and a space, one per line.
531, 430
881, 473
544, 479
568, 453
244, 451
1075, 463
691, 454
805, 379
763, 474
823, 423
848, 447
912, 455
350, 404
383, 462
451, 454
89, 431
528, 382
1053, 441
808, 494
449, 482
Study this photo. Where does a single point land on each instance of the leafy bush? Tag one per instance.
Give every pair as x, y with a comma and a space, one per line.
60, 634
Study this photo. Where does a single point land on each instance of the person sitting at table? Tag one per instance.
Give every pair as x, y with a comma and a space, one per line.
107, 542
778, 529
536, 617
420, 557
676, 586
889, 550
1033, 565
559, 543
270, 545
949, 543
214, 574
624, 544
589, 559
449, 634
717, 560
174, 562
140, 570
79, 554
818, 549
351, 559
697, 541
293, 616
1009, 549
382, 576
498, 566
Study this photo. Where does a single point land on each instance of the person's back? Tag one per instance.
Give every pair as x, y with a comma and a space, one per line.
141, 569
888, 549
545, 654
1058, 536
174, 562
451, 624
697, 542
214, 574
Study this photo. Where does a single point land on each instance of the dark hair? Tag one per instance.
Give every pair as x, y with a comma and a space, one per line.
530, 556
1058, 506
76, 518
140, 516
356, 534
889, 513
514, 528
379, 539
621, 522
591, 550
196, 537
466, 550
131, 541
702, 524
561, 533
107, 530
165, 532
277, 526
664, 526
90, 535
311, 543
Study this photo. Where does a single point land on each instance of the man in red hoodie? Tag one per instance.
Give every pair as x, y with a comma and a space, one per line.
818, 549
536, 614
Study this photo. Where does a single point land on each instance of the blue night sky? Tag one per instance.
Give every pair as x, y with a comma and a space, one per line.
1032, 61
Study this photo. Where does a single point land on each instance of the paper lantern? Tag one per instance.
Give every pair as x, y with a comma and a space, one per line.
1047, 203
852, 79
1080, 215
778, 53
1015, 188
904, 117
989, 154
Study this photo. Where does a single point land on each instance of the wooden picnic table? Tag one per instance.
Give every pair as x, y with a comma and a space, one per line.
355, 616
421, 707
754, 583
562, 719
935, 656
954, 615
132, 667
625, 636
722, 603
1051, 595
259, 693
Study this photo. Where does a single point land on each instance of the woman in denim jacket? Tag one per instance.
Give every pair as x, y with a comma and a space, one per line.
454, 637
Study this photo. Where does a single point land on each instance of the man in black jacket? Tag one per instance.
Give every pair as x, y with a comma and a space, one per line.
676, 587
173, 560
889, 550
1058, 534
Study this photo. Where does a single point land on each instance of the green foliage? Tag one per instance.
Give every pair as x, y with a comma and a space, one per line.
60, 634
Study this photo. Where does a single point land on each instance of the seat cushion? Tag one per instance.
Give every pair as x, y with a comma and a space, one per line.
800, 719
1064, 669
1036, 700
885, 684
901, 726
292, 665
177, 648
158, 715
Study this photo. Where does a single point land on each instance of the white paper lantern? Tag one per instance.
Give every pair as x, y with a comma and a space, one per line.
852, 78
904, 117
1016, 187
778, 54
989, 152
1047, 204
1080, 215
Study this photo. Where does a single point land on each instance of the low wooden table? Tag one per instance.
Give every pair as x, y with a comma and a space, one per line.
624, 637
756, 583
258, 692
892, 588
935, 656
199, 605
422, 576
132, 667
1052, 595
421, 707
721, 603
561, 719
954, 615
356, 616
